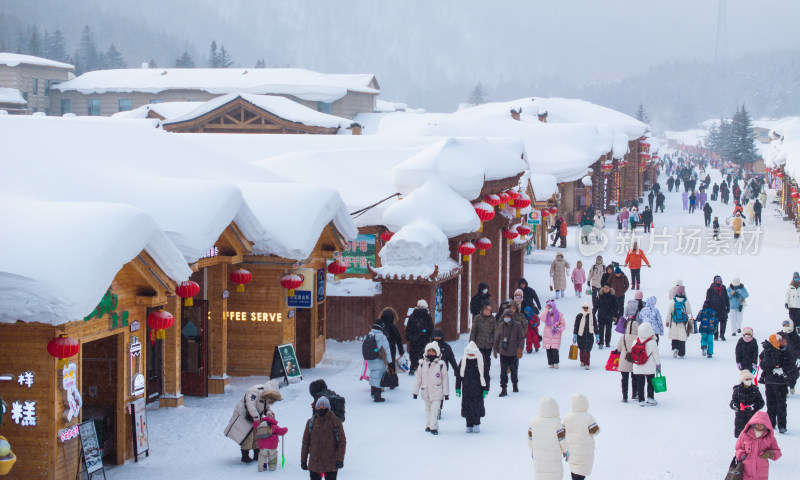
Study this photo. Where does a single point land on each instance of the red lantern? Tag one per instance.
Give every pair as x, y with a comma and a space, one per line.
466, 249
795, 195
553, 210
187, 290
493, 200
524, 230
504, 199
290, 281
160, 320
485, 213
386, 236
623, 163
337, 267
523, 201
63, 347
241, 278
510, 234
780, 174
483, 244
545, 213
512, 196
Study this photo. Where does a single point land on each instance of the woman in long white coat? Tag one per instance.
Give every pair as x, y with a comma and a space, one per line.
581, 429
548, 442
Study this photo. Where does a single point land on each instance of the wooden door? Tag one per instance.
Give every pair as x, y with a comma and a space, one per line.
303, 337
155, 365
194, 349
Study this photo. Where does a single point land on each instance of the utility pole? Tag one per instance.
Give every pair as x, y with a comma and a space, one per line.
721, 46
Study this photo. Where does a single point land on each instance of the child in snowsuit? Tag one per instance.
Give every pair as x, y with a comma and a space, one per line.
547, 439
578, 277
580, 428
433, 383
745, 401
707, 318
267, 431
584, 333
553, 326
532, 338
747, 351
471, 386
651, 315
757, 445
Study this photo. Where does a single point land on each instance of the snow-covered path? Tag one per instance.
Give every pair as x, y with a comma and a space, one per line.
689, 435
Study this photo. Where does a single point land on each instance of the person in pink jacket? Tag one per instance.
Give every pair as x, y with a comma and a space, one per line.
578, 278
553, 324
267, 431
756, 446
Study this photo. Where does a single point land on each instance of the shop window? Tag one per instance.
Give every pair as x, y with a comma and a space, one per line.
94, 108
324, 107
66, 106
124, 105
35, 88
47, 85
154, 101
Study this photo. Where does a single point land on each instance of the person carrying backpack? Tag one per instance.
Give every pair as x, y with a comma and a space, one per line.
679, 321
318, 388
745, 401
419, 333
375, 350
646, 363
708, 328
324, 443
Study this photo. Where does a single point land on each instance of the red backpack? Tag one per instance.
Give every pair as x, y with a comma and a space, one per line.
639, 352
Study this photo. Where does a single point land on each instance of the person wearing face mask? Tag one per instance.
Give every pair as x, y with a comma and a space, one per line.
717, 298
747, 351
482, 333
509, 339
793, 347
530, 298
737, 294
584, 333
471, 386
324, 443
634, 259
745, 401
433, 384
252, 406
595, 281
793, 299
755, 446
778, 369
679, 322
483, 295
553, 324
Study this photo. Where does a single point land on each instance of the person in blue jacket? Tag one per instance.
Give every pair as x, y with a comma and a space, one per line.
736, 296
707, 318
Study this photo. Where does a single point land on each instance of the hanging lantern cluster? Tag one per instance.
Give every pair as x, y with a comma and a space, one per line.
337, 267
483, 244
466, 249
545, 212
512, 197
160, 320
510, 234
485, 213
623, 163
504, 199
524, 229
241, 278
795, 194
62, 348
290, 281
187, 290
386, 236
606, 167
493, 200
523, 201
553, 210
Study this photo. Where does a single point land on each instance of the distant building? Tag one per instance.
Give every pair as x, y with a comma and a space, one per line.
33, 77
106, 92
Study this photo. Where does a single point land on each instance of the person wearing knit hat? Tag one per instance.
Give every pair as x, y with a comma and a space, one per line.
745, 401
737, 295
679, 322
717, 297
707, 320
419, 332
433, 384
471, 386
379, 364
792, 299
678, 283
620, 284
324, 442
747, 351
639, 295
509, 340
778, 368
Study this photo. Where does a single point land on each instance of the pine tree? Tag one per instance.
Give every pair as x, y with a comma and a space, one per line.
35, 43
152, 63
114, 59
478, 96
184, 61
224, 60
55, 47
743, 140
213, 56
641, 114
87, 56
261, 63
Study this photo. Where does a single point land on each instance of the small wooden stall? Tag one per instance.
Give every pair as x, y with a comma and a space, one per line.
110, 372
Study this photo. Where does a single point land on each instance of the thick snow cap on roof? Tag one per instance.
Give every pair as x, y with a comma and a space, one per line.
11, 95
62, 256
279, 106
416, 250
167, 110
15, 59
544, 186
784, 150
303, 84
691, 138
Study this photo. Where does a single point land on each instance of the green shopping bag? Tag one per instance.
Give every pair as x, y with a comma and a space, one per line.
659, 383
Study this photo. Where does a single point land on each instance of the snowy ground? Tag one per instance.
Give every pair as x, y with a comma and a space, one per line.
689, 435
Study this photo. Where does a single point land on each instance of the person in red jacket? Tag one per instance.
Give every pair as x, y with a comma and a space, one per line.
267, 431
634, 261
563, 233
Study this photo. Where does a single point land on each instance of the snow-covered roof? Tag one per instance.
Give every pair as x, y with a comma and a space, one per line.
301, 83
15, 59
544, 186
576, 134
11, 95
418, 250
691, 138
168, 110
279, 106
62, 256
785, 149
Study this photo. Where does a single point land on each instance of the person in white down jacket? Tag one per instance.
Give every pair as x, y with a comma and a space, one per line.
581, 429
432, 384
548, 442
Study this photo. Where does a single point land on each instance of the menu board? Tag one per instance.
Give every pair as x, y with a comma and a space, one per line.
90, 451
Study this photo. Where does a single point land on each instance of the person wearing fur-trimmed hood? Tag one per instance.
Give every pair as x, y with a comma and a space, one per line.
253, 405
581, 429
433, 384
547, 440
471, 386
584, 333
756, 446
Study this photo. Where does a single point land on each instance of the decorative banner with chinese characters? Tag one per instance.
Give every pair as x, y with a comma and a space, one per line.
358, 253
72, 397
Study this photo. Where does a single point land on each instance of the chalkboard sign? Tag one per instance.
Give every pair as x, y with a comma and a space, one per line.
91, 452
139, 429
285, 364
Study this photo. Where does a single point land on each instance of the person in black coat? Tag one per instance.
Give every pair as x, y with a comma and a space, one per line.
717, 297
476, 304
388, 321
660, 202
707, 213
606, 278
714, 192
606, 314
778, 369
446, 350
747, 351
471, 386
670, 183
757, 211
530, 297
647, 218
745, 401
585, 333
792, 346
651, 198
419, 333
